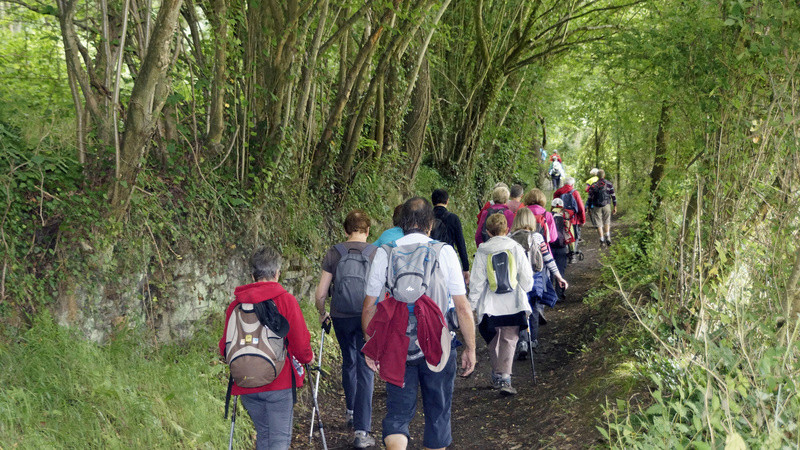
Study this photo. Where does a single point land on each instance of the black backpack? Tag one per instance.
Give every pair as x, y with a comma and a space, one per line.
440, 232
561, 241
349, 283
599, 193
492, 210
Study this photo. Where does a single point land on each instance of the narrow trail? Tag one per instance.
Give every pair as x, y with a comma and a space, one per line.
561, 411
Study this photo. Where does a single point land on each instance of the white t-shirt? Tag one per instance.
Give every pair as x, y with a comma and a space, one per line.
448, 263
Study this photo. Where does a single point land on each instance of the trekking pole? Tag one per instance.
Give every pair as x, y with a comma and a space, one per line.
326, 328
530, 349
233, 421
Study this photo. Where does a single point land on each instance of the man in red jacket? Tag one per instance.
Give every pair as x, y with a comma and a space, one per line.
271, 406
573, 203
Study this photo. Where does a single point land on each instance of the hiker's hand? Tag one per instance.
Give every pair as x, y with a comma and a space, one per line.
372, 364
324, 317
615, 210
563, 283
467, 362
466, 278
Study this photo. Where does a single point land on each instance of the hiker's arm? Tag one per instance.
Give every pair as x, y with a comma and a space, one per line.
467, 326
322, 293
368, 311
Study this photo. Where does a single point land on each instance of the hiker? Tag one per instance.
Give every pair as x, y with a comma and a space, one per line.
392, 327
560, 248
500, 280
499, 198
573, 204
556, 173
555, 156
490, 202
589, 183
515, 197
603, 197
271, 406
394, 233
344, 275
449, 229
524, 232
535, 201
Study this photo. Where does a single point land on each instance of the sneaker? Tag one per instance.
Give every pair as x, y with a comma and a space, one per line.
522, 350
506, 388
348, 418
363, 440
571, 259
497, 382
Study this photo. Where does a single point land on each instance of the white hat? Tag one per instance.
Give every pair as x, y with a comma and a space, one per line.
557, 203
594, 171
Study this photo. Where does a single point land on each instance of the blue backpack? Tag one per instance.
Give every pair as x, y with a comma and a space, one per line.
569, 201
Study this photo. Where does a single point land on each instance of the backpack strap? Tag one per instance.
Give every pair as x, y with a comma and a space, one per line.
341, 249
368, 251
228, 395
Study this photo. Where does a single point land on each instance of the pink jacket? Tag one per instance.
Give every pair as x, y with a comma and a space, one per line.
548, 218
482, 218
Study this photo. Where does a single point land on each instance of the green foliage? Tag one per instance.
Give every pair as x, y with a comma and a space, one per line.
60, 390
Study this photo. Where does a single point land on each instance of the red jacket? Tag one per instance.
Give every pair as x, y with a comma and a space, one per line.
298, 339
579, 218
388, 343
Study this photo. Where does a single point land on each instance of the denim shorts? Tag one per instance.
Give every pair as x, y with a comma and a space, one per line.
437, 397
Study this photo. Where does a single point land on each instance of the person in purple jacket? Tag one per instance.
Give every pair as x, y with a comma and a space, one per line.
500, 197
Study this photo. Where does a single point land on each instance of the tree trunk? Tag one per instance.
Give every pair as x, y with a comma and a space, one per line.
219, 21
659, 163
145, 106
416, 122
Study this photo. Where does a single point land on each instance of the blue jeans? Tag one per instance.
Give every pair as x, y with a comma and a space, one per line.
272, 413
437, 397
357, 378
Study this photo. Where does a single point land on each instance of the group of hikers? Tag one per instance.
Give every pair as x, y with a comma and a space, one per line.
396, 304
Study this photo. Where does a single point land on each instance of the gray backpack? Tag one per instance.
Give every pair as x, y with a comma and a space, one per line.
525, 239
411, 272
349, 283
255, 353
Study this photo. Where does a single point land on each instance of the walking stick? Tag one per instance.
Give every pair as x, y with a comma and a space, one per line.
530, 348
233, 422
326, 328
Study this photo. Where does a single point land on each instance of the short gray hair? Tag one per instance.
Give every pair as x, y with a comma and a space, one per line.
570, 181
265, 263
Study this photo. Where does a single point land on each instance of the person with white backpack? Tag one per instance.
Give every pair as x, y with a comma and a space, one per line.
499, 282
344, 276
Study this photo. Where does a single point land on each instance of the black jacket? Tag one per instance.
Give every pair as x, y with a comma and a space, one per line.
453, 224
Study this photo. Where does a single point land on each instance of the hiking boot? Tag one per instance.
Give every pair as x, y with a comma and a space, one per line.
571, 259
506, 388
608, 242
363, 440
348, 419
522, 350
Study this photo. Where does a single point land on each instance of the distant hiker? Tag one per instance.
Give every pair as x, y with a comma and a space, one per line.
394, 233
573, 203
603, 197
555, 156
515, 197
271, 406
449, 228
589, 183
499, 199
490, 202
535, 200
561, 247
542, 154
556, 172
500, 280
524, 232
344, 277
409, 343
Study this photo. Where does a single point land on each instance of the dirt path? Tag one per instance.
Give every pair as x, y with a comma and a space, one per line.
561, 411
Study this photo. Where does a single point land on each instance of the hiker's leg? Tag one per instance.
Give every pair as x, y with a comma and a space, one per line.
272, 413
350, 355
401, 404
437, 397
560, 255
365, 383
507, 337
494, 351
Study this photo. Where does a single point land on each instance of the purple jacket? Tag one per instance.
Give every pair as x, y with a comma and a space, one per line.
548, 218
